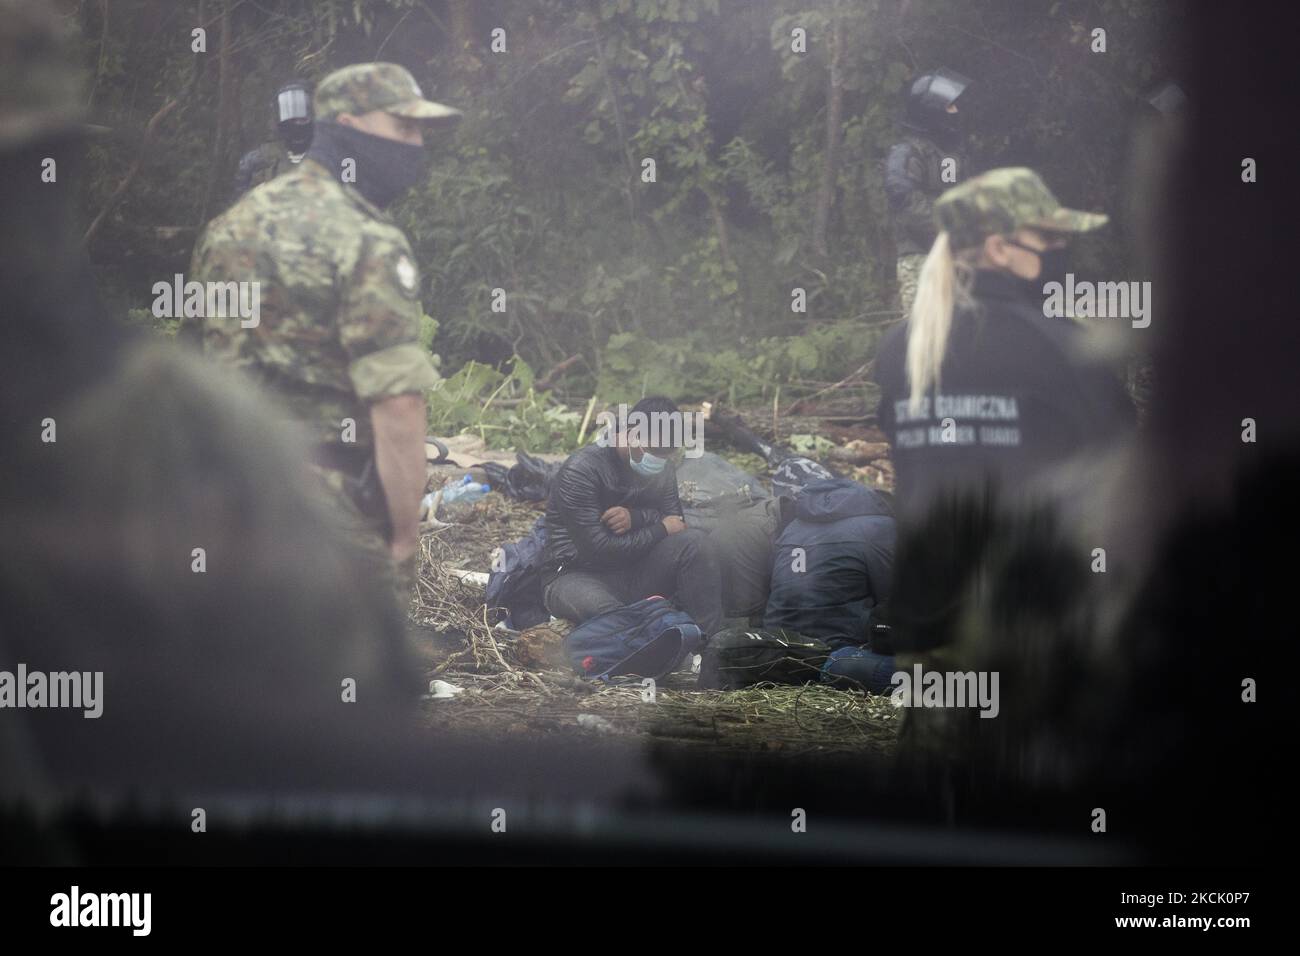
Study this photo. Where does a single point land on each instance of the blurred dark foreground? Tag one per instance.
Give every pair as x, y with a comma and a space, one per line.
214, 708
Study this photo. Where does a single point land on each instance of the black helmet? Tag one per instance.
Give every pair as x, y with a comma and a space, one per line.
930, 96
293, 117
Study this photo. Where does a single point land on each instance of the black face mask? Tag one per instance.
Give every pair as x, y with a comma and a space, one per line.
296, 135
1056, 263
385, 168
1053, 264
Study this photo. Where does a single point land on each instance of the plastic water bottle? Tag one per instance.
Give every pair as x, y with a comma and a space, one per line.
459, 498
467, 490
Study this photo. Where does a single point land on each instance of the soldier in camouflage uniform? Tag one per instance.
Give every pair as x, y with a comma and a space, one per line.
294, 127
338, 333
914, 171
123, 455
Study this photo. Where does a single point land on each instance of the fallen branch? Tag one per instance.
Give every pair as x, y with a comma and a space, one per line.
795, 408
145, 142
549, 379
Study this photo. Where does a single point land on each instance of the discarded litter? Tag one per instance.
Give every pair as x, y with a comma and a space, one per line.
441, 690
458, 497
595, 722
476, 578
429, 510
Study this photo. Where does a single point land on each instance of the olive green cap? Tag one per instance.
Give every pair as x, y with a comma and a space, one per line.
1001, 201
364, 87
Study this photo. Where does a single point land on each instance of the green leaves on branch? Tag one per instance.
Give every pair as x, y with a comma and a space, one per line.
504, 409
700, 366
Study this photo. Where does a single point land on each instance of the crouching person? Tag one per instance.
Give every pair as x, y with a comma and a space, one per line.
616, 532
831, 579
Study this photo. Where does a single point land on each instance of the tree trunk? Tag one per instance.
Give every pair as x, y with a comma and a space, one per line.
830, 165
465, 40
217, 167
145, 142
633, 206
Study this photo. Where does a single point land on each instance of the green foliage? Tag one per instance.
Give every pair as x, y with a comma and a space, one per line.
682, 285
697, 367
428, 332
811, 446
504, 409
145, 319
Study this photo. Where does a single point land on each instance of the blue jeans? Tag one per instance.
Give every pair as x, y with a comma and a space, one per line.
858, 668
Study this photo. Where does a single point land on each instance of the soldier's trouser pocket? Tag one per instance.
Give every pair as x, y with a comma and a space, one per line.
368, 538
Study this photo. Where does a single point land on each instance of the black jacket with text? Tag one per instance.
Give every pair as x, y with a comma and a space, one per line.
1016, 395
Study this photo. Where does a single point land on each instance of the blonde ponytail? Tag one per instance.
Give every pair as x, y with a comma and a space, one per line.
938, 290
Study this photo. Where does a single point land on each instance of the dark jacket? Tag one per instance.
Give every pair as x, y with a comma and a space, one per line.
846, 531
913, 181
592, 480
260, 165
1017, 388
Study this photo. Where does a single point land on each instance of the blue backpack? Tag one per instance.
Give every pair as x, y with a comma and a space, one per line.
650, 638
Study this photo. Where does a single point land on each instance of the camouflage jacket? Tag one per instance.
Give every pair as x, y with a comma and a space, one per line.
338, 292
913, 181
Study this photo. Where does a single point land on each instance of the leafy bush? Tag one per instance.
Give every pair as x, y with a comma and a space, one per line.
679, 285
695, 368
504, 409
144, 318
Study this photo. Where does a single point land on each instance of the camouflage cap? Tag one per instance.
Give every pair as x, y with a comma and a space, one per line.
40, 79
1003, 200
363, 87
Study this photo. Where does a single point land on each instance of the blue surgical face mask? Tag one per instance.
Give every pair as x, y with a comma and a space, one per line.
649, 465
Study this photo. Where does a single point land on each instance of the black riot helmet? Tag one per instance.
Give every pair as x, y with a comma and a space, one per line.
293, 117
930, 96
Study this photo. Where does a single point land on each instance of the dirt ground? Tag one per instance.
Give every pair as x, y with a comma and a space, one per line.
508, 685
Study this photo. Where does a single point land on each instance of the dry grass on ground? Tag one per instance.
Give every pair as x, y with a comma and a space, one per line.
525, 689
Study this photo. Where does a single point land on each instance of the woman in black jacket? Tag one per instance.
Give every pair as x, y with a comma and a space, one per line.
982, 387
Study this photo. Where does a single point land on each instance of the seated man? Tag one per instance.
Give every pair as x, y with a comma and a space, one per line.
616, 534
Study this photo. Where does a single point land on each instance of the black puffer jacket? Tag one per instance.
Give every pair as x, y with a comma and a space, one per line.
592, 480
